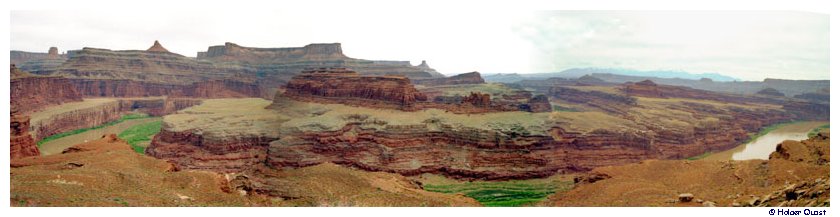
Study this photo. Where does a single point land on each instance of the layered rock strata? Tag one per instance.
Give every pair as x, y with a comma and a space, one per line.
461, 153
410, 150
466, 78
344, 86
34, 62
103, 113
132, 88
608, 102
22, 144
340, 85
286, 62
145, 66
30, 92
477, 102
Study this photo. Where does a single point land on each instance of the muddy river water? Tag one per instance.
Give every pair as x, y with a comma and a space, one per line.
58, 145
761, 147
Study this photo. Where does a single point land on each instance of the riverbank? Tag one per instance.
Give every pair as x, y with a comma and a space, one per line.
764, 142
57, 143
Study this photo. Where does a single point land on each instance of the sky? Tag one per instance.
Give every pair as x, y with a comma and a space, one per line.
748, 45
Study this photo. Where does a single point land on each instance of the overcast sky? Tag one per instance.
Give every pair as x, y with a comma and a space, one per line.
745, 45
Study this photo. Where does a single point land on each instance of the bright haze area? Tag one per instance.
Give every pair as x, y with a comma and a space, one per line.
746, 45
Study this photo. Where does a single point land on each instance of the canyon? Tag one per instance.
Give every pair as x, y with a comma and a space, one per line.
256, 121
334, 115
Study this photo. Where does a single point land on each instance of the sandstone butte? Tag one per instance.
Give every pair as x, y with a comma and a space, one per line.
345, 86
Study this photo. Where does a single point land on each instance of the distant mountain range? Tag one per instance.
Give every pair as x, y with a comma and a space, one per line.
706, 81
578, 72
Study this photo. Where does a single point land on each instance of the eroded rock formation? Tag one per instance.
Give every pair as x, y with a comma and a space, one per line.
770, 92
608, 102
30, 92
34, 62
22, 144
410, 150
157, 48
145, 66
466, 78
340, 85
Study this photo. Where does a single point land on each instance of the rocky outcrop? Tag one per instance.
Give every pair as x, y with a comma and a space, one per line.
650, 89
823, 95
608, 102
30, 92
808, 110
193, 151
466, 78
645, 88
283, 63
35, 62
21, 143
145, 66
478, 102
770, 92
157, 48
340, 85
539, 103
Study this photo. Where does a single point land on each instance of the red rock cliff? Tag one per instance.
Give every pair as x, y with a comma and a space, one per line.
339, 85
31, 92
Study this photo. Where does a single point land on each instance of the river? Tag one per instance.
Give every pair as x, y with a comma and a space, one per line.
58, 145
761, 147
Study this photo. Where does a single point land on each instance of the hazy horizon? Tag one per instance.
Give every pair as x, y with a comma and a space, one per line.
749, 46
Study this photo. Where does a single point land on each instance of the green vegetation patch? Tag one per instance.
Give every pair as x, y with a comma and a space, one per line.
140, 133
698, 157
814, 131
77, 131
767, 129
505, 193
558, 108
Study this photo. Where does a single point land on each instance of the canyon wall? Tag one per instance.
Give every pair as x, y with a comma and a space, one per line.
34, 62
54, 123
466, 78
145, 66
612, 103
410, 150
30, 92
132, 88
280, 64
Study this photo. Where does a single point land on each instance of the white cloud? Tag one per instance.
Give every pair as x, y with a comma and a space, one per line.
748, 45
